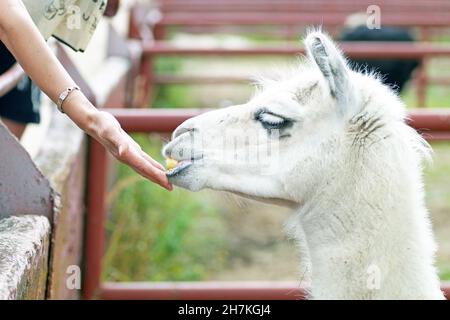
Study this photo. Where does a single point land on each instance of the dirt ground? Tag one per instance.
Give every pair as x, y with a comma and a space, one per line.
259, 247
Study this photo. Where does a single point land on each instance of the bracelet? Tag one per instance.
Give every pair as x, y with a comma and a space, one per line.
63, 96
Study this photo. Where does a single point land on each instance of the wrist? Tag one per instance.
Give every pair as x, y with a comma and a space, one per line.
91, 124
81, 111
64, 95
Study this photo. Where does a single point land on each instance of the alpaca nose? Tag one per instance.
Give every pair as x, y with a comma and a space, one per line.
187, 126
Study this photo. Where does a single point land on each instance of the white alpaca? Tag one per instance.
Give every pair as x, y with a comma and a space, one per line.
345, 161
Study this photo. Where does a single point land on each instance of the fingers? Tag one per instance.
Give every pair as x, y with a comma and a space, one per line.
153, 161
145, 155
128, 151
142, 165
156, 175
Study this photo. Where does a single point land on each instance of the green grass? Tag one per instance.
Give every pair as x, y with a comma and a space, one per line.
436, 97
154, 235
444, 273
174, 96
437, 175
170, 96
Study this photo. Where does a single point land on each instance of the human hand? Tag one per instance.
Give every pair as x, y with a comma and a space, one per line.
106, 130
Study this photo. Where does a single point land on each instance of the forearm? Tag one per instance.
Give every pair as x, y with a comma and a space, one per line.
23, 39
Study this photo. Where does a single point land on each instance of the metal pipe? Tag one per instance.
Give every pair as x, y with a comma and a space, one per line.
244, 290
430, 122
172, 79
153, 120
95, 220
368, 50
416, 19
243, 79
208, 3
349, 8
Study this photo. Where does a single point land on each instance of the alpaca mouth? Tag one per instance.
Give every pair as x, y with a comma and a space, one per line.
180, 167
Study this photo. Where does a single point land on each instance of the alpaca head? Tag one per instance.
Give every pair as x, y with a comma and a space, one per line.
277, 145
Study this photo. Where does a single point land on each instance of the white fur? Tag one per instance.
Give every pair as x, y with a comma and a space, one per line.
351, 169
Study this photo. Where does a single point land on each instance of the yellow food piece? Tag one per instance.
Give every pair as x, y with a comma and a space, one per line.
171, 163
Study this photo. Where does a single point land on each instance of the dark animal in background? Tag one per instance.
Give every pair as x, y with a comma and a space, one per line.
394, 72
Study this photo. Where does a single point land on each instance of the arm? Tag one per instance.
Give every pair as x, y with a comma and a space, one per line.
20, 35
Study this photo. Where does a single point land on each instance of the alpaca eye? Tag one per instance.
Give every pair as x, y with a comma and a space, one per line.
271, 121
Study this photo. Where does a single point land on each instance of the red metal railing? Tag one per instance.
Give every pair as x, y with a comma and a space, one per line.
434, 124
212, 16
303, 5
347, 7
366, 50
357, 50
284, 290
417, 15
287, 14
417, 19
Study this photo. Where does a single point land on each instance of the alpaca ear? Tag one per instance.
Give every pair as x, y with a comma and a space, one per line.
332, 64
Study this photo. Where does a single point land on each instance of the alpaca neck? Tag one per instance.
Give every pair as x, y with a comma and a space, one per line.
370, 240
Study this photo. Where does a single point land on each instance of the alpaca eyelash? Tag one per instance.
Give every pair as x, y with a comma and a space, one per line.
272, 121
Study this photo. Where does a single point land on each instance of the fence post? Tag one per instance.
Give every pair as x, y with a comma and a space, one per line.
96, 207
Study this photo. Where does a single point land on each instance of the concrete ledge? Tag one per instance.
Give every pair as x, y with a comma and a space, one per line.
23, 188
24, 249
62, 160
